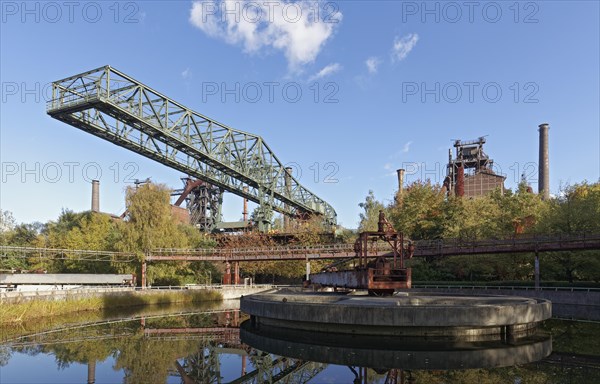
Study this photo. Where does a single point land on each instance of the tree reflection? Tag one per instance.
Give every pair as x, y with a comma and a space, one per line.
191, 348
201, 367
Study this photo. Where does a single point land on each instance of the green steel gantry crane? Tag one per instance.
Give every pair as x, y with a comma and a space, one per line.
113, 106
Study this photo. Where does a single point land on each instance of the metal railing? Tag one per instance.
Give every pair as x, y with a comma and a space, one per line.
423, 248
521, 240
103, 289
507, 288
65, 254
256, 250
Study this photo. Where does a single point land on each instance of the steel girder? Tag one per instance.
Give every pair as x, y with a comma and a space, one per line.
119, 109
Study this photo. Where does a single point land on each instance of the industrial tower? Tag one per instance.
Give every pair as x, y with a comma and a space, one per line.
470, 173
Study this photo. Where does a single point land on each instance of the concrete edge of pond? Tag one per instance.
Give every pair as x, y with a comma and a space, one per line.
405, 314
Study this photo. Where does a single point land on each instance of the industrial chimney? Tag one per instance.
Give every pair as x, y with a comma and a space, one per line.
95, 196
544, 163
400, 173
245, 211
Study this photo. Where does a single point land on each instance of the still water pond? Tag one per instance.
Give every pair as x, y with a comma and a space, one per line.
212, 344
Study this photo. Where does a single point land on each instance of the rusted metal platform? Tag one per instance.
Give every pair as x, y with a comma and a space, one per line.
374, 280
380, 277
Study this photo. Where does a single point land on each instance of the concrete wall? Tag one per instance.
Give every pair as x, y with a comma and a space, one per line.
229, 293
234, 293
65, 278
576, 304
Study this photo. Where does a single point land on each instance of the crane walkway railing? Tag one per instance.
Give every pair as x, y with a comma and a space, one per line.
423, 248
325, 251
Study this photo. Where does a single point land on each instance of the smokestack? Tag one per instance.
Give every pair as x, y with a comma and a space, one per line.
544, 163
95, 196
400, 173
245, 211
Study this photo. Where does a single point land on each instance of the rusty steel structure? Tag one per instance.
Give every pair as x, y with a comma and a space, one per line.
471, 173
422, 248
203, 202
381, 276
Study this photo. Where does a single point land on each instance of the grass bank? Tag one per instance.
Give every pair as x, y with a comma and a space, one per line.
16, 313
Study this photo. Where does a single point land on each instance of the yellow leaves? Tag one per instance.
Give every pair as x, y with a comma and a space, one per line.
425, 213
575, 210
93, 233
150, 223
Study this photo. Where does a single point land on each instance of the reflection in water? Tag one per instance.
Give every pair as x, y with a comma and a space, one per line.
204, 346
393, 356
386, 353
143, 347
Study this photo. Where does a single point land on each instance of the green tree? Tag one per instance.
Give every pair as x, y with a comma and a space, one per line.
575, 210
56, 231
7, 221
97, 232
520, 212
149, 222
370, 217
474, 219
419, 213
150, 225
7, 224
23, 235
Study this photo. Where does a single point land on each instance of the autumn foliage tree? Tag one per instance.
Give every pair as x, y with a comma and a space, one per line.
423, 212
150, 224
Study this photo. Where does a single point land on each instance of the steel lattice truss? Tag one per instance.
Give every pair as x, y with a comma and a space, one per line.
117, 108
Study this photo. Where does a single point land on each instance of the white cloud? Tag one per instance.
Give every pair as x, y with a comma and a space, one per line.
372, 64
387, 166
399, 153
403, 46
328, 70
187, 73
290, 27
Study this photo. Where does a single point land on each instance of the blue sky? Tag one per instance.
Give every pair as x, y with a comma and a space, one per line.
384, 85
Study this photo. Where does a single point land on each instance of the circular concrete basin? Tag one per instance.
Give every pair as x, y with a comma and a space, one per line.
404, 314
